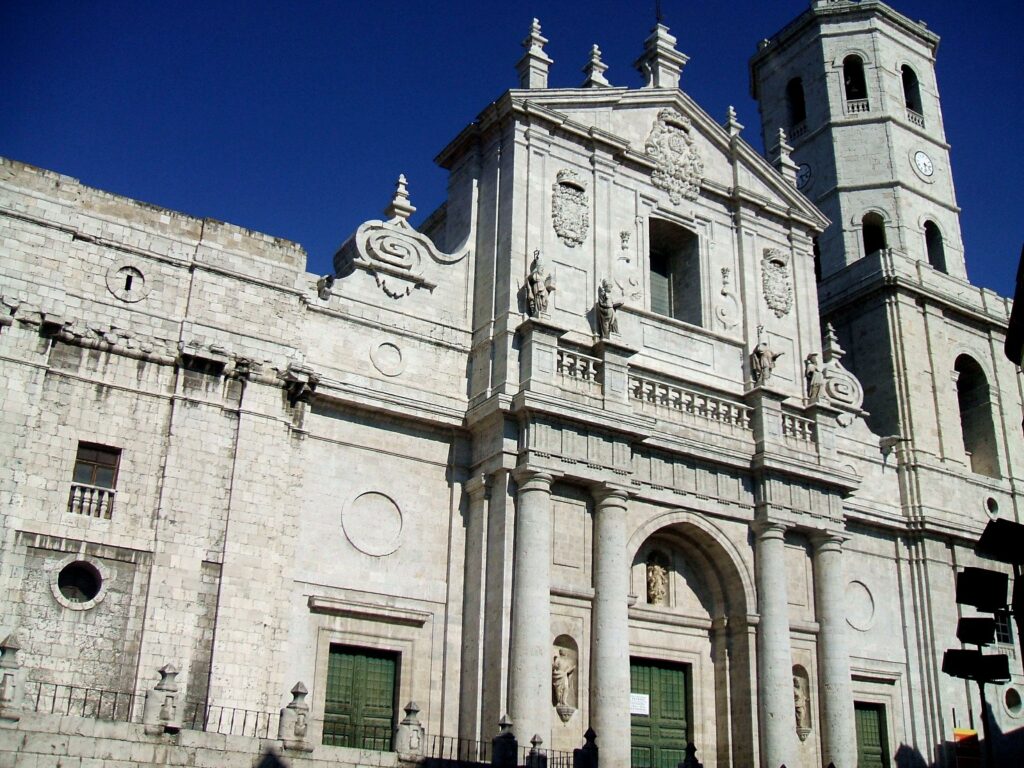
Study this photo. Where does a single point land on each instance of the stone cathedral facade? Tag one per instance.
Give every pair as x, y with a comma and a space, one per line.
640, 430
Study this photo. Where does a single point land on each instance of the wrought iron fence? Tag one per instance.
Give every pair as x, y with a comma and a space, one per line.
544, 758
94, 703
232, 721
455, 751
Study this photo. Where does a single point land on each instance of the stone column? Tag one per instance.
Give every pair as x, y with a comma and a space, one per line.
530, 653
774, 661
609, 630
838, 736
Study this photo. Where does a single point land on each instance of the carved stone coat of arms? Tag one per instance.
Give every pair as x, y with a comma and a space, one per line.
570, 206
775, 281
680, 167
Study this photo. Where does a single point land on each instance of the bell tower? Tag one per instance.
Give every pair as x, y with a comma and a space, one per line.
853, 86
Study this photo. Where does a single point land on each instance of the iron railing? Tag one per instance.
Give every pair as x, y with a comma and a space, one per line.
94, 703
231, 721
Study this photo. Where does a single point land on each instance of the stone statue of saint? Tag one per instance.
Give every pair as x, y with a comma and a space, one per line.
607, 322
762, 362
799, 703
657, 583
539, 285
562, 671
814, 377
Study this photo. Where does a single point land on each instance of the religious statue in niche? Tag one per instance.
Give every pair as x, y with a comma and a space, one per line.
564, 664
657, 579
814, 377
570, 208
762, 359
801, 704
607, 321
539, 286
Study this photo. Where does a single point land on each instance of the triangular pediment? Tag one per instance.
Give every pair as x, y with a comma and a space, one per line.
626, 122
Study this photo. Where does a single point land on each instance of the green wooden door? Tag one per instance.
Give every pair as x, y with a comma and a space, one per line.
659, 737
872, 739
359, 709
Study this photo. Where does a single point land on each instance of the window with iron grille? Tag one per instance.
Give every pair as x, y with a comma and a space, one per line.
1004, 629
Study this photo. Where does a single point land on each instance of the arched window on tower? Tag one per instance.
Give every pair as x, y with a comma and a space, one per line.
796, 107
873, 231
854, 85
975, 402
912, 96
934, 246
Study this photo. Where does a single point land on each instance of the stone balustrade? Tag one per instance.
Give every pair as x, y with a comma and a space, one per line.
915, 117
578, 367
855, 106
798, 428
91, 501
682, 400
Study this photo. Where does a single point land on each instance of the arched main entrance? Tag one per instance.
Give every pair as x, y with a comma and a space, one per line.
691, 644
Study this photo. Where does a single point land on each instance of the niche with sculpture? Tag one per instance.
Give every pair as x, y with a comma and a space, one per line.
802, 702
657, 578
564, 677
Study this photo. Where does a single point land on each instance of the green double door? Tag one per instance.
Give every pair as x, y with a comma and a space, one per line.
872, 738
660, 707
359, 709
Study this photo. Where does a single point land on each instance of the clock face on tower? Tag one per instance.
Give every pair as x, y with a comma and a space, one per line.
803, 176
923, 163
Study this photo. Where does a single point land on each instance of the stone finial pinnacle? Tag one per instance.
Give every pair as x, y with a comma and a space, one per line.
732, 124
400, 207
661, 64
533, 67
779, 157
595, 70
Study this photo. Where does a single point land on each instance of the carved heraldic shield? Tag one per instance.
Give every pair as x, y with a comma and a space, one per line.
679, 165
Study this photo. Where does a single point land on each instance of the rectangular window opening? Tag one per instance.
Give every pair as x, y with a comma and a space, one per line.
675, 275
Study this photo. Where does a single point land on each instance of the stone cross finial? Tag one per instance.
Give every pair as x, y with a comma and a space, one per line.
400, 207
533, 67
731, 123
661, 64
595, 70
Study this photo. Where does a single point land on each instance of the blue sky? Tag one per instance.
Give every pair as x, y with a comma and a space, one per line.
295, 118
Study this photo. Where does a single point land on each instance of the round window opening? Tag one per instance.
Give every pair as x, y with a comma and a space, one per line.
79, 582
1013, 701
992, 506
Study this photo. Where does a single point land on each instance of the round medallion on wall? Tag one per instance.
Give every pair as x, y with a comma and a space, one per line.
923, 165
387, 358
803, 176
860, 606
373, 524
127, 282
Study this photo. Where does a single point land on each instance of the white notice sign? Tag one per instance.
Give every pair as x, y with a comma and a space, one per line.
639, 704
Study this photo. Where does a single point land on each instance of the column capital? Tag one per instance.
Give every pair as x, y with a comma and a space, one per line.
608, 495
768, 529
828, 541
479, 484
533, 478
